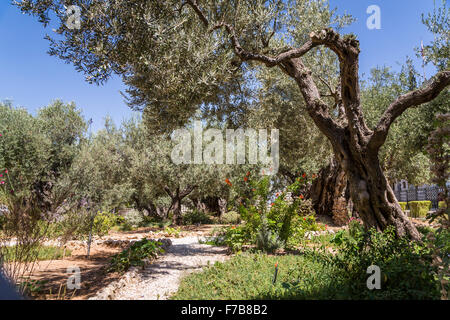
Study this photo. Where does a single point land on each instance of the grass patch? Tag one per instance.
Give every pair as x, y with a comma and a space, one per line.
250, 276
41, 253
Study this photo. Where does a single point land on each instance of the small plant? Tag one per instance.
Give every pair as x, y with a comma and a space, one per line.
173, 232
136, 255
355, 228
32, 287
133, 218
266, 240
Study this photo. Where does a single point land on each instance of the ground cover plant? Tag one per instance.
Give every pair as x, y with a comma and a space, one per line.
137, 254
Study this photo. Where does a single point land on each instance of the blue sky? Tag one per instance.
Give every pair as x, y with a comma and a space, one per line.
32, 79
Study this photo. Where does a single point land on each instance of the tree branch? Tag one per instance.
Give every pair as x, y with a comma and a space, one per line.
317, 109
187, 191
347, 50
193, 4
267, 60
169, 192
414, 98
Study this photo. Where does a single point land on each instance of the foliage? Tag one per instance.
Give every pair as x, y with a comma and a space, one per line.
437, 22
402, 155
133, 218
196, 217
24, 149
419, 209
439, 150
355, 228
266, 240
249, 277
103, 222
77, 224
136, 255
281, 223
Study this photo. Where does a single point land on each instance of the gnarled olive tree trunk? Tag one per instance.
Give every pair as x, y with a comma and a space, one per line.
177, 196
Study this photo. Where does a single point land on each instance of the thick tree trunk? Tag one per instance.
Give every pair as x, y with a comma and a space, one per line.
222, 206
176, 209
211, 205
372, 196
177, 196
328, 193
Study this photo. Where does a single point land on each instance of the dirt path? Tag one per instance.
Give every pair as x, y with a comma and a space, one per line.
161, 279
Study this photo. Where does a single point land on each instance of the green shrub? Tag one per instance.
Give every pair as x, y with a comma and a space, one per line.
135, 255
403, 205
419, 209
196, 217
173, 232
283, 223
442, 205
231, 217
104, 221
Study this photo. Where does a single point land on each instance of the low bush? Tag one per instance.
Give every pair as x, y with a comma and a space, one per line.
134, 218
406, 267
104, 221
442, 205
196, 217
403, 205
419, 209
230, 217
136, 255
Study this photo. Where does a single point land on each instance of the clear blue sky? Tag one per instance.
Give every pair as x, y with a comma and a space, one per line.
32, 79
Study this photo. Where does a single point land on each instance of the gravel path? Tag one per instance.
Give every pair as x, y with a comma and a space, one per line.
161, 279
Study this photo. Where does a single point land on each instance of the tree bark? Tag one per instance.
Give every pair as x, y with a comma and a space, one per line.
328, 192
